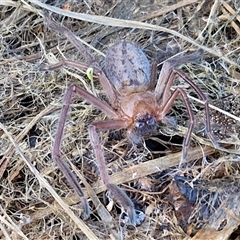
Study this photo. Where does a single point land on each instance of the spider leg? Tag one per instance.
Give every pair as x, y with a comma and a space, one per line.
106, 85
102, 78
59, 135
165, 110
202, 97
153, 76
167, 102
71, 37
64, 63
117, 192
163, 86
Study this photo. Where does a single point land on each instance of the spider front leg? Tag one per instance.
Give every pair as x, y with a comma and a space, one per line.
208, 130
162, 90
165, 110
59, 135
117, 192
167, 102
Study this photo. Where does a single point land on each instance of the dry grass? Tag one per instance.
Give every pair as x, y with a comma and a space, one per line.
36, 202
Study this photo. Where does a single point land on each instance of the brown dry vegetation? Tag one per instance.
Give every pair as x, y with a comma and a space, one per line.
36, 201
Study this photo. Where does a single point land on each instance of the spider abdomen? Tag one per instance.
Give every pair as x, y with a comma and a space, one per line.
127, 68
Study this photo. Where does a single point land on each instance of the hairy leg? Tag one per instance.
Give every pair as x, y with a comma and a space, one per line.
200, 94
107, 87
59, 135
117, 192
167, 106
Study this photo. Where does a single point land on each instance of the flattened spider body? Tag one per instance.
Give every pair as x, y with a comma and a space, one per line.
133, 104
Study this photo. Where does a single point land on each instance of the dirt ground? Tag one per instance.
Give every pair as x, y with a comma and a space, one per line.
197, 201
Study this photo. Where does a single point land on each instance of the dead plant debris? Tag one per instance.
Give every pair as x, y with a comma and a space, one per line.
36, 202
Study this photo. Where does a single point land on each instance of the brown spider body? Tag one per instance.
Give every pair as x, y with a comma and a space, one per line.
135, 102
128, 70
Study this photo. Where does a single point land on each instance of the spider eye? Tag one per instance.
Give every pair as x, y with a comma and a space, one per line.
151, 121
140, 124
